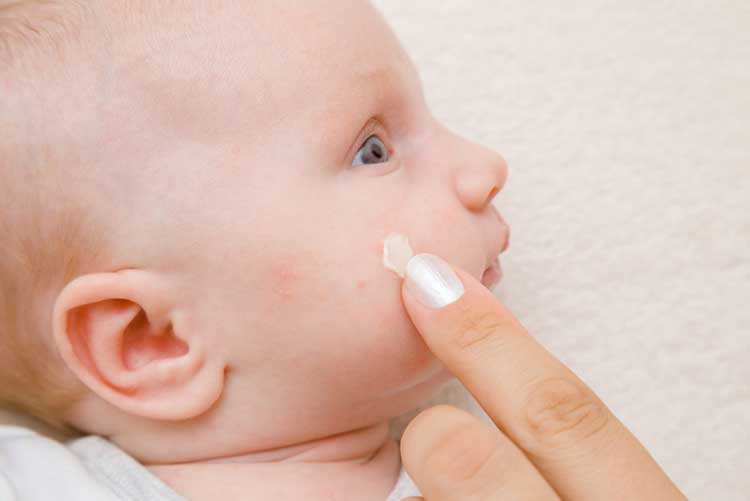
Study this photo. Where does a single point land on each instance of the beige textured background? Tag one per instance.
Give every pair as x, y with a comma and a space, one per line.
627, 129
626, 126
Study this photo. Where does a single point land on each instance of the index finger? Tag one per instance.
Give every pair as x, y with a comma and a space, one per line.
569, 434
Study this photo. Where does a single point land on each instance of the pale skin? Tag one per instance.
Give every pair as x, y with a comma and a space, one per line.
222, 142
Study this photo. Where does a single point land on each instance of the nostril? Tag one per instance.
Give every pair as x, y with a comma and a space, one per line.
492, 195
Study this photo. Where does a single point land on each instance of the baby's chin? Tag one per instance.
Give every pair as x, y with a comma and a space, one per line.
427, 389
435, 379
418, 392
417, 399
416, 374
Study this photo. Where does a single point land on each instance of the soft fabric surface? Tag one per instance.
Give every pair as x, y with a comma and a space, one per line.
627, 129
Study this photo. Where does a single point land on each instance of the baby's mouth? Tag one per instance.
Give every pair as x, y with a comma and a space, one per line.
493, 274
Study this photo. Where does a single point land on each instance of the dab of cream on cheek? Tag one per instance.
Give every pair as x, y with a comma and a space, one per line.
396, 253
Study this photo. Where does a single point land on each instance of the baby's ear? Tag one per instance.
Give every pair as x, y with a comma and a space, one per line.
122, 335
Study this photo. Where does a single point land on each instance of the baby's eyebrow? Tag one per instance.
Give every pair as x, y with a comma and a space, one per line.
387, 79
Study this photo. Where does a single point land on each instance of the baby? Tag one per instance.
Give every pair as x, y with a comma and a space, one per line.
194, 201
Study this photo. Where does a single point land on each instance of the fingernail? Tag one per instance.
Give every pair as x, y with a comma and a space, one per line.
432, 281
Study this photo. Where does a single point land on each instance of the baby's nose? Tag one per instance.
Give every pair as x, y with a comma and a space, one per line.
481, 180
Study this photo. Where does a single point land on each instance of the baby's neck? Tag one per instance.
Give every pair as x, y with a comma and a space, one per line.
364, 461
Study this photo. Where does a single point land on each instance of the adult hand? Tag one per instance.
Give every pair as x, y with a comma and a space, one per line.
554, 438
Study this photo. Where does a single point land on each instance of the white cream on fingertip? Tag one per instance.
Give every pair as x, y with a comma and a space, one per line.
396, 253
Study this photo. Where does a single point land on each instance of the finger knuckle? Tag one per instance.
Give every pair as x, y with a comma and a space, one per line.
478, 330
560, 413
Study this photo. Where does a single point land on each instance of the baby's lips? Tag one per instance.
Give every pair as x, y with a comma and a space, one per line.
507, 239
505, 229
493, 274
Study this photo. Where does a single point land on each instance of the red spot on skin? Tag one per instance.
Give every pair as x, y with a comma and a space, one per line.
361, 284
285, 279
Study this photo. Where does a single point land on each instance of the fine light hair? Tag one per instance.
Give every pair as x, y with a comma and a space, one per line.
47, 236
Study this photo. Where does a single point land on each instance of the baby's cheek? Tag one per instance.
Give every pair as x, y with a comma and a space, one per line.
357, 299
310, 281
424, 226
292, 279
284, 279
387, 221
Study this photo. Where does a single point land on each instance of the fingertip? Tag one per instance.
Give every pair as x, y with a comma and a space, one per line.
432, 281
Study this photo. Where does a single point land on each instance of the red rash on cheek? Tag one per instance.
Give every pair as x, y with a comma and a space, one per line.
285, 278
300, 278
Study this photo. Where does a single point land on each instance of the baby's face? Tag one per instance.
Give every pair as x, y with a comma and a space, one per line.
285, 141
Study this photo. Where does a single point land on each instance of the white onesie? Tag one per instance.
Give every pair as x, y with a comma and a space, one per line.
36, 468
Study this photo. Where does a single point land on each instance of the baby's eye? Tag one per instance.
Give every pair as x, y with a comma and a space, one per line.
373, 151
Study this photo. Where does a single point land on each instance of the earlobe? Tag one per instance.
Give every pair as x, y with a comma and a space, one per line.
123, 336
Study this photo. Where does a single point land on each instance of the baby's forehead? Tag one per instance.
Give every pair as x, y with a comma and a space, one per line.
142, 75
267, 59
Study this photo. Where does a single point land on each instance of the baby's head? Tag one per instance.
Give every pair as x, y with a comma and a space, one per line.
194, 202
